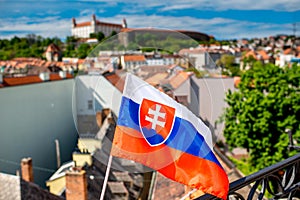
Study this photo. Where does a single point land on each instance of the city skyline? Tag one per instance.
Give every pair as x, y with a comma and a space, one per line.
223, 20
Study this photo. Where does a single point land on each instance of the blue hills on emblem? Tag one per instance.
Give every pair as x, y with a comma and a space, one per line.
152, 136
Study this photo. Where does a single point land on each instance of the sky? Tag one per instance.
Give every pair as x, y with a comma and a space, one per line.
223, 19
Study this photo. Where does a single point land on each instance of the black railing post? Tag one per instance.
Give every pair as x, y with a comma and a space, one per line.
291, 145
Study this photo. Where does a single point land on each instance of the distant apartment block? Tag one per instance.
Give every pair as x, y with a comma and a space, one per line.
84, 29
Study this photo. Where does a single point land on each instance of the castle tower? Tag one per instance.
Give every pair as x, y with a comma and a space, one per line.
124, 24
73, 22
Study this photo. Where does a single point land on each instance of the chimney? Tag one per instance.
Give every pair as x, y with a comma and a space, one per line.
45, 76
62, 74
76, 184
26, 169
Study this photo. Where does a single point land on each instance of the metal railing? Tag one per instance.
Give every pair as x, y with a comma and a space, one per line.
281, 180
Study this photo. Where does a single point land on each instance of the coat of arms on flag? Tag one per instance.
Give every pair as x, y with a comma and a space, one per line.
155, 130
156, 121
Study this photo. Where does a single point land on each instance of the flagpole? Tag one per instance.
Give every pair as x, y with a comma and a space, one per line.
106, 177
188, 194
152, 186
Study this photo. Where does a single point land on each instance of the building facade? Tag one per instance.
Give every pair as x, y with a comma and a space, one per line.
84, 29
32, 117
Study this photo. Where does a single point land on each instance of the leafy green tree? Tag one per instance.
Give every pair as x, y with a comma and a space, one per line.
248, 61
70, 47
229, 67
227, 60
266, 103
71, 40
92, 35
15, 40
29, 46
83, 50
100, 36
113, 33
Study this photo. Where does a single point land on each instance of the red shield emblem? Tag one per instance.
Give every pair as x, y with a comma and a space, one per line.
156, 121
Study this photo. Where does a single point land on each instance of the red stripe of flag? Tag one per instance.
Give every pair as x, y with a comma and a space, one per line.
182, 167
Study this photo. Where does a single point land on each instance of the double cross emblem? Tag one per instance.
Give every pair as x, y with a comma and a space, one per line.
156, 115
156, 121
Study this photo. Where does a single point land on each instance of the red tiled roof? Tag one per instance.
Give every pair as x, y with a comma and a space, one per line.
17, 81
82, 24
14, 81
53, 48
21, 65
109, 24
116, 80
287, 51
264, 55
134, 58
250, 53
179, 79
22, 62
55, 77
80, 61
157, 78
69, 75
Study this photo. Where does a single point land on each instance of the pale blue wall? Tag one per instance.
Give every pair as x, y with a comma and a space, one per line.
31, 118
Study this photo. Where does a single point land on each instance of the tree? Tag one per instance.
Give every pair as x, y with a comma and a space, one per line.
83, 50
266, 103
100, 36
71, 40
228, 66
248, 61
113, 33
29, 46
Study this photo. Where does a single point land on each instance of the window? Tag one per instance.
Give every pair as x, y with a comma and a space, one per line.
90, 104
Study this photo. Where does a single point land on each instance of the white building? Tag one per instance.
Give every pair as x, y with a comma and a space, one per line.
158, 59
198, 58
84, 29
132, 62
92, 94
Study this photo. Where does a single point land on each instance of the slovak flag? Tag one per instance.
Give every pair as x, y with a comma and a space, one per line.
155, 130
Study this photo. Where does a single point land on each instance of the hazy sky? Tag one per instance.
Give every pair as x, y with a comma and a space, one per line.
224, 19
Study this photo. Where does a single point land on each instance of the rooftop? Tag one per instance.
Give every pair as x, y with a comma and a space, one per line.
25, 80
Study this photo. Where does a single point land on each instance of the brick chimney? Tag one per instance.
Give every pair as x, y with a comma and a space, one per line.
26, 169
76, 184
